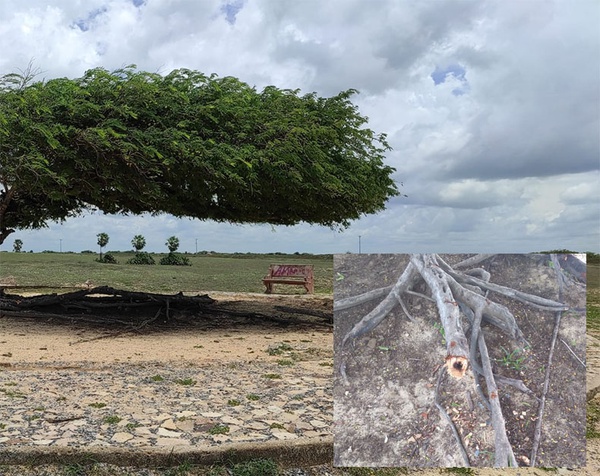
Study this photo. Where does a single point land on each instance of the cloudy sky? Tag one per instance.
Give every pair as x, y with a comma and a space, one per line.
492, 109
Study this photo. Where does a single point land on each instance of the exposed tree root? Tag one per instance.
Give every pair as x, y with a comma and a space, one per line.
456, 292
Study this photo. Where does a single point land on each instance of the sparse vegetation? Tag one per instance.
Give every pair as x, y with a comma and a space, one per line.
219, 429
185, 381
258, 467
512, 359
272, 376
112, 419
285, 362
97, 405
279, 348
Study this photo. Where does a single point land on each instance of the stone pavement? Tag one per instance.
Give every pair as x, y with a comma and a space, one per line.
161, 405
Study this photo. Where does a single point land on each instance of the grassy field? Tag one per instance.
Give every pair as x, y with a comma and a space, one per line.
237, 273
593, 299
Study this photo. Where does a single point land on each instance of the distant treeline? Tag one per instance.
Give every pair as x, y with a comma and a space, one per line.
590, 257
215, 254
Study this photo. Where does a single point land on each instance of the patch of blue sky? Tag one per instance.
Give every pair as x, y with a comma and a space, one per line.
230, 9
84, 24
138, 3
440, 74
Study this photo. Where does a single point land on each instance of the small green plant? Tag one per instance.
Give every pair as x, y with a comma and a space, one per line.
272, 376
276, 426
97, 405
285, 362
156, 378
441, 330
252, 397
132, 426
12, 393
112, 419
2, 426
512, 359
233, 403
185, 381
278, 349
219, 429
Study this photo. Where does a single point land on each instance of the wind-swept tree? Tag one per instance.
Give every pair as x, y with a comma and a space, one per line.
186, 144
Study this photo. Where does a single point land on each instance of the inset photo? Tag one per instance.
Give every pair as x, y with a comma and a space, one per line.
463, 360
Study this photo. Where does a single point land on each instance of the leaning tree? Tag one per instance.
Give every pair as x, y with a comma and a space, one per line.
186, 144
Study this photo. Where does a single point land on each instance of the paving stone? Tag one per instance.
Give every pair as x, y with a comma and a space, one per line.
169, 425
284, 435
43, 442
172, 442
122, 437
168, 433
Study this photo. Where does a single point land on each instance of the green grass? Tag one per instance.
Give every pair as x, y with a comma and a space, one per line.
219, 429
97, 405
112, 419
236, 273
186, 381
593, 299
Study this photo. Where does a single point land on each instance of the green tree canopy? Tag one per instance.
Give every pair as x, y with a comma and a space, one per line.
186, 144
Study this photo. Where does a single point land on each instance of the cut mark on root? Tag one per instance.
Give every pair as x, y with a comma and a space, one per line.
456, 366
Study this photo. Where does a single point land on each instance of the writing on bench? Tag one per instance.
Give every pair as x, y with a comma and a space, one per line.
299, 274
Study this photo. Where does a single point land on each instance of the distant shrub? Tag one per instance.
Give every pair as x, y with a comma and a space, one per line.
142, 258
174, 259
88, 252
107, 258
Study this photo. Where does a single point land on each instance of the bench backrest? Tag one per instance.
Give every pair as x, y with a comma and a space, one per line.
290, 270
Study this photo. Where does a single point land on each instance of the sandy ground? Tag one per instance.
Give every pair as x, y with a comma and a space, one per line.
207, 341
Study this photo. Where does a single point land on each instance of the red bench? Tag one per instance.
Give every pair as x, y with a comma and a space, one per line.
298, 274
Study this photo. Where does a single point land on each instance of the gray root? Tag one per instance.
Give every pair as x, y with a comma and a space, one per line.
503, 449
354, 301
457, 357
372, 319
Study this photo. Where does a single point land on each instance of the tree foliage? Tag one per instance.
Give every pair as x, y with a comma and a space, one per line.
138, 242
102, 242
187, 144
172, 243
